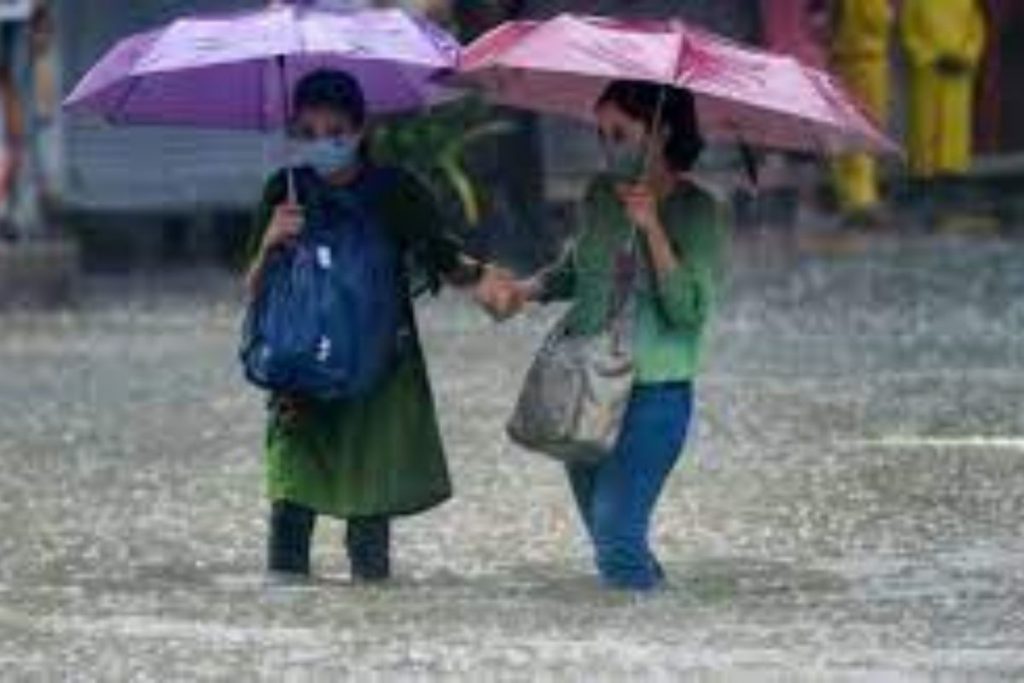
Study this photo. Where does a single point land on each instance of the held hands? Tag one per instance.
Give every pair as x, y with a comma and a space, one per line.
501, 294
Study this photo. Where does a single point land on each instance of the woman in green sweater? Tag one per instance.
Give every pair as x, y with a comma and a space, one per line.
647, 196
368, 459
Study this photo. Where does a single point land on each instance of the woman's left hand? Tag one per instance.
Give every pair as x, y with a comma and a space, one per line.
641, 206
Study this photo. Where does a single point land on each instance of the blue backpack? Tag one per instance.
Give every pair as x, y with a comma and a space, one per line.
329, 316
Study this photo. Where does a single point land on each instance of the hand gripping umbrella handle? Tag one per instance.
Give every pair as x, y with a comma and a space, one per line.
285, 97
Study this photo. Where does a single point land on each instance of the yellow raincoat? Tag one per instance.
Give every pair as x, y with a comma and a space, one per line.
944, 41
860, 53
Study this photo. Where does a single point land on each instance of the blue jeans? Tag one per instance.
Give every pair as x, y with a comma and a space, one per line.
616, 497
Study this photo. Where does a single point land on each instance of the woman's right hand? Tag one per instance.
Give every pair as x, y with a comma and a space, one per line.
285, 225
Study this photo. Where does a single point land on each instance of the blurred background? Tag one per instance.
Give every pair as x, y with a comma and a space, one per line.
128, 199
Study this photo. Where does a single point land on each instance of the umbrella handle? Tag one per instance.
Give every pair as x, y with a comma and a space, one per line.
285, 98
655, 127
649, 152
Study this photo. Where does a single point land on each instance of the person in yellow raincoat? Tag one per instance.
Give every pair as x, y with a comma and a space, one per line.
860, 54
944, 41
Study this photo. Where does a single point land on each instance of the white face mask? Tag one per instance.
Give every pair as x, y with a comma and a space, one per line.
329, 155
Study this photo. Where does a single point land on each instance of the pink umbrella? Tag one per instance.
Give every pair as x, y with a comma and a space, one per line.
743, 94
237, 70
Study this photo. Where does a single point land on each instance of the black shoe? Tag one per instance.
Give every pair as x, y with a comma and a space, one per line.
291, 529
368, 541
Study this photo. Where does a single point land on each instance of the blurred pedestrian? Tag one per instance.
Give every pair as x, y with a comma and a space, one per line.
799, 28
14, 21
944, 40
25, 37
860, 53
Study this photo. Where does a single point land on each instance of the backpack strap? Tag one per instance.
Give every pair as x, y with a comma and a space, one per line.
377, 182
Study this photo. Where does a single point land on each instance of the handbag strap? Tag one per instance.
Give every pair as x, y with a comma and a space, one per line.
624, 279
627, 258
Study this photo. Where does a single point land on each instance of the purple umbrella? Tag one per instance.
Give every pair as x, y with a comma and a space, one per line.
237, 70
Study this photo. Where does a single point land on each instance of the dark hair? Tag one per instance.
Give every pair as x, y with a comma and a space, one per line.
337, 90
639, 100
331, 89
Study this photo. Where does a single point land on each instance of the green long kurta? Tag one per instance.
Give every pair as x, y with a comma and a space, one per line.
381, 454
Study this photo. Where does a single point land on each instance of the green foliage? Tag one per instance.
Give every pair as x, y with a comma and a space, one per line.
435, 147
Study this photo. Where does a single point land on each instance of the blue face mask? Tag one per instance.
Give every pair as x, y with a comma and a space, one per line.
328, 155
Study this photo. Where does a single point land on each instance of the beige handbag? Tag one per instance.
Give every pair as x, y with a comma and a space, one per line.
576, 392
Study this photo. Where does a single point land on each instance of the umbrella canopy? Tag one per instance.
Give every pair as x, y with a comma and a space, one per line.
237, 70
743, 94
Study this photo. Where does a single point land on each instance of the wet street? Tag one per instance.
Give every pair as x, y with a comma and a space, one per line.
851, 506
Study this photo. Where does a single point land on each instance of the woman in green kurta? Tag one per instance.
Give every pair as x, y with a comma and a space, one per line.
368, 459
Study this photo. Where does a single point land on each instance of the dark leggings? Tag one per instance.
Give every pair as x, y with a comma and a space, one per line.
367, 540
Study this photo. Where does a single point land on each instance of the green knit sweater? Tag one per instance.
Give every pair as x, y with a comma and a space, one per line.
671, 310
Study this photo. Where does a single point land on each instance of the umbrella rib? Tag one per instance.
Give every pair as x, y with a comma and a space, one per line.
263, 98
122, 104
680, 56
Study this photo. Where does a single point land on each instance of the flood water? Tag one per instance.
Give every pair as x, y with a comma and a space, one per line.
851, 506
